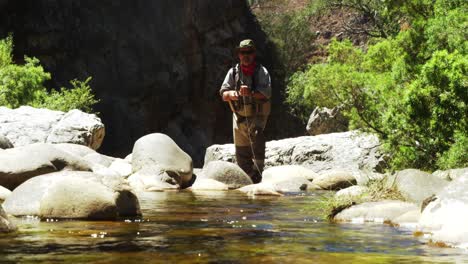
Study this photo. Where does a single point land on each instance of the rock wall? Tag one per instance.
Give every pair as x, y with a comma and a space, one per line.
156, 65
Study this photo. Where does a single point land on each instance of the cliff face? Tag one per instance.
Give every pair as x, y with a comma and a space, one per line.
156, 65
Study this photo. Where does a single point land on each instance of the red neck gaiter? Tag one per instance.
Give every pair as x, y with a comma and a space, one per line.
250, 69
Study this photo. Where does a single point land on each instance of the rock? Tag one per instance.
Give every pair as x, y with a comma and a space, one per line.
363, 177
324, 120
5, 143
122, 167
408, 219
447, 217
75, 149
353, 191
22, 163
287, 171
350, 151
71, 194
416, 185
375, 211
335, 180
227, 173
160, 150
27, 125
209, 185
260, 189
153, 179
128, 158
451, 174
101, 159
5, 225
4, 193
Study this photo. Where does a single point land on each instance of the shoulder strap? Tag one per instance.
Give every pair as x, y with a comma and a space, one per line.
254, 77
236, 76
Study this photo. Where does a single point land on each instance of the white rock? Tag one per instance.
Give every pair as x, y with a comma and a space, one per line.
353, 191
376, 211
209, 185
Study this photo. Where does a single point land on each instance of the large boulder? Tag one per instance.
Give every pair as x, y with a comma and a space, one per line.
5, 143
451, 174
447, 216
375, 211
351, 151
153, 179
71, 194
416, 185
4, 193
5, 225
324, 120
227, 173
75, 149
27, 125
22, 163
160, 150
335, 180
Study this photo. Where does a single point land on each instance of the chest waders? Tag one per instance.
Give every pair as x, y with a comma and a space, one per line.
248, 126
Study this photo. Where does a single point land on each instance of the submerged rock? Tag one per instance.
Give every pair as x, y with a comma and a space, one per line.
161, 151
226, 172
447, 216
71, 194
22, 163
27, 125
416, 185
5, 225
5, 143
375, 211
350, 151
335, 180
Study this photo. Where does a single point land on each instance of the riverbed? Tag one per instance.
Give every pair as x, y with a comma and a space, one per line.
219, 227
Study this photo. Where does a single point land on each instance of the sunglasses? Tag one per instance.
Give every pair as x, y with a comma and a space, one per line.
247, 52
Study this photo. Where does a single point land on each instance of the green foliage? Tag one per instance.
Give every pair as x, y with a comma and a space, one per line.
410, 88
78, 97
24, 85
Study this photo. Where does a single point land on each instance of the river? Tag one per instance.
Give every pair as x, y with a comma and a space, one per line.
219, 227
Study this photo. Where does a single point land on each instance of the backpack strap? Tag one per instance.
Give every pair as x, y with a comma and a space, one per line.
236, 77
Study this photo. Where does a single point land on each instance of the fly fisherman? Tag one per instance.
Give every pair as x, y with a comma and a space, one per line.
247, 89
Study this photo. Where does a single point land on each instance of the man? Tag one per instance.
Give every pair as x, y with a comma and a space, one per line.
247, 89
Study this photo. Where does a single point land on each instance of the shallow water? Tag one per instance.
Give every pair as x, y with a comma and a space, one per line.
219, 227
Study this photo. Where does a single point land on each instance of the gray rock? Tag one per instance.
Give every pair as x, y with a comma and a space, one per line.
416, 185
324, 120
153, 179
350, 151
122, 167
101, 159
27, 125
71, 194
204, 184
160, 150
5, 225
451, 174
375, 211
353, 191
4, 193
22, 163
5, 143
408, 219
260, 189
446, 217
227, 173
288, 171
335, 180
75, 149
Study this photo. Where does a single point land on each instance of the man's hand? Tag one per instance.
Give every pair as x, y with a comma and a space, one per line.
230, 96
244, 91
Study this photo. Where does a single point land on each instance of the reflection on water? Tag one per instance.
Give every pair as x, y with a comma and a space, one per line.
218, 227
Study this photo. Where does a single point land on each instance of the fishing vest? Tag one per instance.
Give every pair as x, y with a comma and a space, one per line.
249, 106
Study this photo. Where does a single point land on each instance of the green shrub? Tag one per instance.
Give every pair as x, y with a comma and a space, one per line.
412, 88
24, 85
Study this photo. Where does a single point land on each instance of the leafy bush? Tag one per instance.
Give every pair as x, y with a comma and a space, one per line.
410, 88
24, 85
